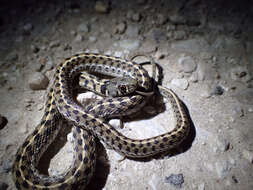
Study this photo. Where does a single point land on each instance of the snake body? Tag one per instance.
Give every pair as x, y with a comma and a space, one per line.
88, 122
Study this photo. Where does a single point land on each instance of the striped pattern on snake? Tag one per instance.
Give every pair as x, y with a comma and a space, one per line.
129, 147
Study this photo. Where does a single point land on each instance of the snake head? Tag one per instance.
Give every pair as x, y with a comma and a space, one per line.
121, 86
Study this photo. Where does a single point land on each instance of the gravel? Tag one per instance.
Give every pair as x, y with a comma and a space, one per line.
38, 81
176, 180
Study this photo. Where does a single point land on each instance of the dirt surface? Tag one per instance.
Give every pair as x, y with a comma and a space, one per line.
205, 49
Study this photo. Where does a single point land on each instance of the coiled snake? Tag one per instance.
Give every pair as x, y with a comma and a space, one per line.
90, 121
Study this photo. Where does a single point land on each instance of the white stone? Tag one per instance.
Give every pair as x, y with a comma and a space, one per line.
222, 143
201, 186
194, 77
92, 39
79, 38
179, 35
120, 28
84, 27
136, 17
118, 53
115, 123
38, 81
101, 7
171, 27
86, 98
180, 83
28, 27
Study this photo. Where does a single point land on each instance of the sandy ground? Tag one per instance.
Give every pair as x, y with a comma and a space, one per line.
205, 51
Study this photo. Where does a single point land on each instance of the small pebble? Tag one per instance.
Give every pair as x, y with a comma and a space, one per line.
102, 7
3, 122
161, 19
133, 16
175, 179
179, 35
170, 27
27, 28
92, 39
54, 44
180, 83
70, 137
79, 38
84, 28
87, 98
250, 109
73, 32
35, 49
222, 143
201, 186
115, 123
118, 54
120, 28
136, 17
38, 81
40, 107
217, 90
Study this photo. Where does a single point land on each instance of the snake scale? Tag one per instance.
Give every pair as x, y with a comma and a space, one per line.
89, 122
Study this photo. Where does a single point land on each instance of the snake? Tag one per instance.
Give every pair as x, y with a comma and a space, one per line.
89, 122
